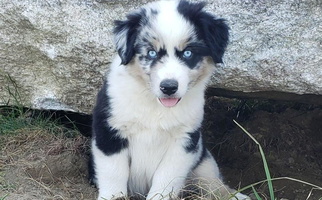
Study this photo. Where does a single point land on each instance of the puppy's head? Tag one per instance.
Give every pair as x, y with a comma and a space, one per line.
172, 46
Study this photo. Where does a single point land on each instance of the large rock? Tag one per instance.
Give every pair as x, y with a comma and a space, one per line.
275, 46
54, 53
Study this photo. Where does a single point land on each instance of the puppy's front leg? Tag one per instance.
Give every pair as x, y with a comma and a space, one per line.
112, 173
172, 172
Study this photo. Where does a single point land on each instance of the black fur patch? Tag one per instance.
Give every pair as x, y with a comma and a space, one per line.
213, 31
161, 53
204, 154
146, 46
131, 27
106, 137
198, 50
154, 12
193, 145
91, 170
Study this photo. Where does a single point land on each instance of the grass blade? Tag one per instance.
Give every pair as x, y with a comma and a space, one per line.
256, 194
268, 175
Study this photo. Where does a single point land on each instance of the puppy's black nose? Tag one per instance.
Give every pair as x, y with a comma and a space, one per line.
169, 86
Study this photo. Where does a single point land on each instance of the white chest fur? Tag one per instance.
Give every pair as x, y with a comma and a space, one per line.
146, 151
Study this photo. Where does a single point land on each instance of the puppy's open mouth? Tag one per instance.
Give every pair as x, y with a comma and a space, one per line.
169, 102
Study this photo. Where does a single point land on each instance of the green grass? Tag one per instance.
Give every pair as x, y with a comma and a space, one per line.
14, 116
4, 186
4, 197
15, 119
266, 168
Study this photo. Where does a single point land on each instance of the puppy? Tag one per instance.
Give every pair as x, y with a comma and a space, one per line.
146, 123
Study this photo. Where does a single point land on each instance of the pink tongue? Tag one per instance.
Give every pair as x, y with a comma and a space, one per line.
169, 102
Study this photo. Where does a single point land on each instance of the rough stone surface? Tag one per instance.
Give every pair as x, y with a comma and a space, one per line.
54, 53
275, 46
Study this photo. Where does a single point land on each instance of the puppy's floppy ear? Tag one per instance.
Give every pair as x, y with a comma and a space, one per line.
215, 34
125, 33
213, 31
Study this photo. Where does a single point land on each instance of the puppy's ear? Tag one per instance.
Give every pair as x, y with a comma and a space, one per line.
213, 31
125, 33
216, 35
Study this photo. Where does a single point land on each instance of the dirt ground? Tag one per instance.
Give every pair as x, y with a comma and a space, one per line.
35, 165
289, 133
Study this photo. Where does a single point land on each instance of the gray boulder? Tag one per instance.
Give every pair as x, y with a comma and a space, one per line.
275, 48
55, 53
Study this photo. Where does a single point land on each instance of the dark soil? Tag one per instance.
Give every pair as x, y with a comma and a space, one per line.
289, 133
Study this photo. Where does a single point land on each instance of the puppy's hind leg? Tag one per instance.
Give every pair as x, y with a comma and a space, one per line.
111, 173
207, 179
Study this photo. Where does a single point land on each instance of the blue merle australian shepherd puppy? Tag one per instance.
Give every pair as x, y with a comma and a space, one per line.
146, 123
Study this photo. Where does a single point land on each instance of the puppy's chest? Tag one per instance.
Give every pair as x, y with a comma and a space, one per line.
146, 151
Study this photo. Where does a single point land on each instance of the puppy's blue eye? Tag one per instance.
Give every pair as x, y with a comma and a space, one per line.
152, 54
187, 54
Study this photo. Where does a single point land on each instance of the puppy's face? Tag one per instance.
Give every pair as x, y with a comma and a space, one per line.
171, 46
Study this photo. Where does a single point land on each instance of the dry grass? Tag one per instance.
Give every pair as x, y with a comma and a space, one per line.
36, 164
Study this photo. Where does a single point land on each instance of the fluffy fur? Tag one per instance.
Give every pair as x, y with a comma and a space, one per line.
146, 123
